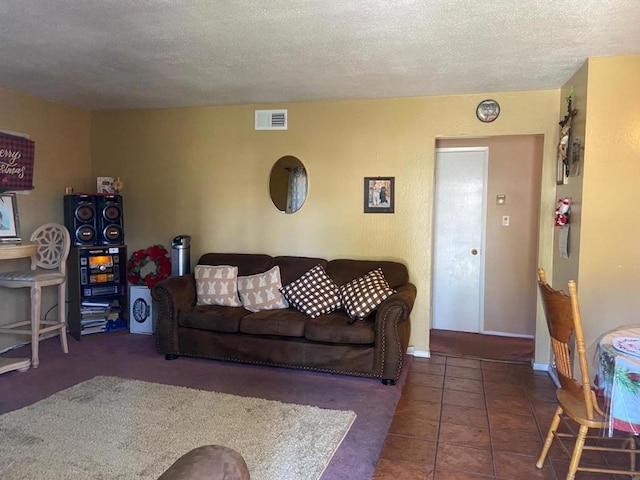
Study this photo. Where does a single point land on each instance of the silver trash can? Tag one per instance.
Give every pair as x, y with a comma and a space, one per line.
181, 255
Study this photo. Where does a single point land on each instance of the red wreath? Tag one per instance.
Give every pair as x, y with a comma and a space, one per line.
156, 254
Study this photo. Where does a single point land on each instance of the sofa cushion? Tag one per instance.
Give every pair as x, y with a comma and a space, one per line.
314, 293
247, 263
343, 271
362, 295
217, 285
212, 317
262, 291
285, 323
292, 268
334, 328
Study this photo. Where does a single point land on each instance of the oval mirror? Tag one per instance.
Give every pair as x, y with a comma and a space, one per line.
288, 184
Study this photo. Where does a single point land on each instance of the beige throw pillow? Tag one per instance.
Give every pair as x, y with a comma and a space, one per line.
217, 285
261, 291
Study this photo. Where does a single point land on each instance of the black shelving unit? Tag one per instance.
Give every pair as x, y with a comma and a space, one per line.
97, 290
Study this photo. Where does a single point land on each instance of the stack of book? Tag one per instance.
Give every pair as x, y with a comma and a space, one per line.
99, 316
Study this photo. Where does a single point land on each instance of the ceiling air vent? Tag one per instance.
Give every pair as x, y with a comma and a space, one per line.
271, 119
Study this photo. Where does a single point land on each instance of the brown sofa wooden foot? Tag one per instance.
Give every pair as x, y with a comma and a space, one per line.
388, 381
170, 356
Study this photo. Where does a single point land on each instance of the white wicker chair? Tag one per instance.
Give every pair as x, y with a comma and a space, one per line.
48, 268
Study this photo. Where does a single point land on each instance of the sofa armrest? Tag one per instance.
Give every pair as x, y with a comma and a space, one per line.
393, 329
170, 296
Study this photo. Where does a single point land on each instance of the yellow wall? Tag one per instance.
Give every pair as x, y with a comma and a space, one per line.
565, 269
62, 158
204, 172
609, 275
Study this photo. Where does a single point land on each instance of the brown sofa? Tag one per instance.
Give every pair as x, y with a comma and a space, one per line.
373, 347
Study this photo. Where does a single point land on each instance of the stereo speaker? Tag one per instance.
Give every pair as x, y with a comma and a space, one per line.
110, 219
80, 219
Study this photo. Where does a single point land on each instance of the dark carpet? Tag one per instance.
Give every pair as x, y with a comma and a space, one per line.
134, 356
481, 346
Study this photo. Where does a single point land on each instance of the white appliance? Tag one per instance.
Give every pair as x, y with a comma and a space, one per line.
141, 317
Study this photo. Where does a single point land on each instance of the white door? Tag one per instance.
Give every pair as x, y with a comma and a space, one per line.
458, 239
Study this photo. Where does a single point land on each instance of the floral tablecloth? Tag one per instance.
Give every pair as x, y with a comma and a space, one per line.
619, 378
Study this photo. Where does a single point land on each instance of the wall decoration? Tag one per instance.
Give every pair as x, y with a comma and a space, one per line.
379, 194
9, 220
575, 158
105, 185
566, 142
487, 110
16, 162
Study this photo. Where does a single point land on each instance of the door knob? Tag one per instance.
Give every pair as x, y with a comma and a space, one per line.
474, 252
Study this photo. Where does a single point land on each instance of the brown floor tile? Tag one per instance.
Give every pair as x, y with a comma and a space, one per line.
472, 460
516, 441
463, 372
464, 435
430, 368
416, 427
512, 466
464, 384
508, 404
505, 366
422, 393
513, 421
463, 399
493, 389
476, 417
417, 408
463, 362
443, 474
408, 449
395, 470
498, 376
425, 379
438, 359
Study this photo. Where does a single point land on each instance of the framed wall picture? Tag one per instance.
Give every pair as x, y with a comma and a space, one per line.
379, 194
9, 223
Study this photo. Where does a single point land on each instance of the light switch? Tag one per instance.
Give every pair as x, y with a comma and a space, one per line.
505, 220
501, 199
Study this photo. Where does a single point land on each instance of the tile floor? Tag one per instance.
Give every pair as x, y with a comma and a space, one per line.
466, 419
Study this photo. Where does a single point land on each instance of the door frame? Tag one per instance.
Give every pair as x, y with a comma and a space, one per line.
483, 239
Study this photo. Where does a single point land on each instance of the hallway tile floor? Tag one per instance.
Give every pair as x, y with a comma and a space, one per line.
467, 419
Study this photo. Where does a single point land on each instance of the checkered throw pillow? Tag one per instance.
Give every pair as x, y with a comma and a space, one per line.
314, 293
362, 295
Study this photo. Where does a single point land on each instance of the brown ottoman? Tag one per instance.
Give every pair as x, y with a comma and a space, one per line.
210, 462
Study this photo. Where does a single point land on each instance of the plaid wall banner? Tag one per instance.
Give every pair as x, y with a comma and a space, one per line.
16, 162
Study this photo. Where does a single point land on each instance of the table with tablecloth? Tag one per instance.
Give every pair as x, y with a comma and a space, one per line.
618, 355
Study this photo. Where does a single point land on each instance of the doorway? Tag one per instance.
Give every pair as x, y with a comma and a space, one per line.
458, 238
504, 302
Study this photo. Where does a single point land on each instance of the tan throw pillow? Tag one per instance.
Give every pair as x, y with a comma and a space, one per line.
217, 285
261, 291
362, 295
314, 293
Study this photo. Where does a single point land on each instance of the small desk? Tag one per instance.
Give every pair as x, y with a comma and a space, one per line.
9, 251
619, 378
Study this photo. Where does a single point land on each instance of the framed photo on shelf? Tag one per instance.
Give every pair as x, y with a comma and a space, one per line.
9, 220
379, 194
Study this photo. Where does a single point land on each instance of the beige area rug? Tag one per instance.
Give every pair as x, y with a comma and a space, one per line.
114, 428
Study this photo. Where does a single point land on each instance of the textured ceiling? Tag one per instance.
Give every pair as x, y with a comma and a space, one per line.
108, 54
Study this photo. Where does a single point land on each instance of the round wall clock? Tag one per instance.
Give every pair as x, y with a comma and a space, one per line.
488, 110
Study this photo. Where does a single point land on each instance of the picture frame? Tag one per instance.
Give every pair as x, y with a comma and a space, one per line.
9, 219
379, 194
